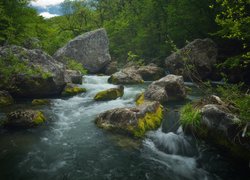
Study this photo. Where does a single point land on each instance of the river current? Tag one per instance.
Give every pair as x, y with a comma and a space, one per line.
70, 146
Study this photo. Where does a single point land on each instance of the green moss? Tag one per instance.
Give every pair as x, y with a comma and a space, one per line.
72, 90
109, 94
40, 102
151, 121
140, 99
39, 118
190, 116
6, 100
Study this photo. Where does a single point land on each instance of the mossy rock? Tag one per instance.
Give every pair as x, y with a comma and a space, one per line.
71, 90
24, 119
5, 99
139, 99
132, 121
38, 102
150, 121
110, 94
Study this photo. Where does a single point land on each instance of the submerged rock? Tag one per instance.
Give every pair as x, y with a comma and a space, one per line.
24, 119
132, 121
73, 76
71, 90
5, 99
109, 94
47, 81
40, 102
170, 87
200, 53
90, 49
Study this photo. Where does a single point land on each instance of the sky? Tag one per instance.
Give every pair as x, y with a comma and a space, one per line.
44, 4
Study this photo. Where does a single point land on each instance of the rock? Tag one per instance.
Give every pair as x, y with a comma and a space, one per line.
91, 49
126, 76
220, 126
5, 99
151, 72
40, 102
137, 74
170, 87
109, 94
200, 53
71, 90
73, 76
111, 68
24, 119
47, 81
132, 121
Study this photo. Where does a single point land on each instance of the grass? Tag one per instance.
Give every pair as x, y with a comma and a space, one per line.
234, 94
190, 115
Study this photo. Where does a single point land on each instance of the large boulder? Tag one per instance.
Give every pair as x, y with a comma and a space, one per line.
126, 76
132, 121
111, 68
90, 49
201, 54
73, 76
170, 87
5, 99
151, 72
109, 94
24, 119
46, 79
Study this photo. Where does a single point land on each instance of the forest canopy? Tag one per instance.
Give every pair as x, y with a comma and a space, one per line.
142, 28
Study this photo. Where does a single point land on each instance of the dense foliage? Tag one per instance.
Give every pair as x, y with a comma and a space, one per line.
138, 30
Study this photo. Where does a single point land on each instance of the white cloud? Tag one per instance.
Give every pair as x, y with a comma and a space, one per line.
48, 15
45, 3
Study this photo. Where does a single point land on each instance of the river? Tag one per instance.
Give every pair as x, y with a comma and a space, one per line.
70, 146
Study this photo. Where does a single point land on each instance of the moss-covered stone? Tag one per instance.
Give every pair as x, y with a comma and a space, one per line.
40, 102
39, 118
140, 99
110, 94
24, 119
5, 99
212, 120
150, 121
132, 121
71, 90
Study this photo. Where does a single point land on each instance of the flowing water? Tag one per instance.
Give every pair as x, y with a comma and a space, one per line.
70, 146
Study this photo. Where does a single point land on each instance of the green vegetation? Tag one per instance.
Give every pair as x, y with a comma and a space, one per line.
12, 65
189, 115
74, 65
233, 94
